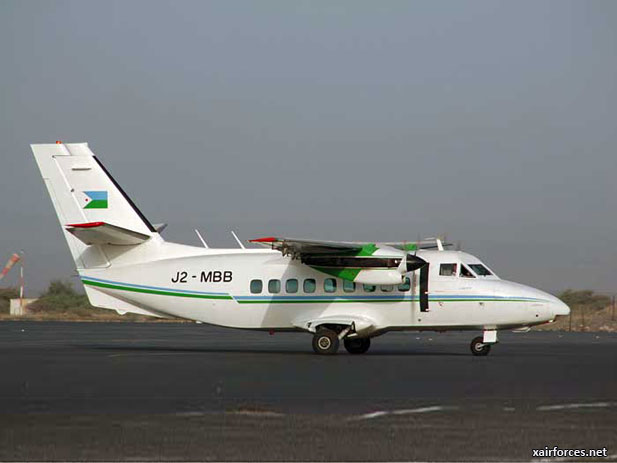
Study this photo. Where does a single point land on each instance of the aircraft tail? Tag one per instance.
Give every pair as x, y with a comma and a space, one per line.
93, 210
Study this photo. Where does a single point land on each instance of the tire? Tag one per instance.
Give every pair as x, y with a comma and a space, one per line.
325, 342
478, 347
357, 345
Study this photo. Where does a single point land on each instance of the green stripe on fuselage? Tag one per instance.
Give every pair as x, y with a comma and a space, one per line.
299, 300
309, 300
158, 292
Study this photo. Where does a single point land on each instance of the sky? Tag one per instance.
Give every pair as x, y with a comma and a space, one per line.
493, 123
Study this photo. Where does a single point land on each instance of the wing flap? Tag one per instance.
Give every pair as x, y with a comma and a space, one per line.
101, 233
294, 246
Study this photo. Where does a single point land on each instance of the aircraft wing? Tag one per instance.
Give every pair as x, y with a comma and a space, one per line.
361, 262
295, 246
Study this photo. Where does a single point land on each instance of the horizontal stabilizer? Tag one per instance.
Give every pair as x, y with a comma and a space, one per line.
105, 233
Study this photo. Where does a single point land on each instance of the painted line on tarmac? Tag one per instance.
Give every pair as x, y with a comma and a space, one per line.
434, 408
404, 411
546, 408
370, 416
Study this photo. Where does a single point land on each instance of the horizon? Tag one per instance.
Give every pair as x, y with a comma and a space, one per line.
492, 123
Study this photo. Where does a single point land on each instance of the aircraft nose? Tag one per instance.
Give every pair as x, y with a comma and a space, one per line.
558, 307
540, 301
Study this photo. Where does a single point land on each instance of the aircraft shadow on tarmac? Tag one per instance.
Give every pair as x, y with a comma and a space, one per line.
217, 350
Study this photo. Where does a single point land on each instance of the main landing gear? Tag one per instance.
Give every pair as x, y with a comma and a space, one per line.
481, 345
357, 345
326, 341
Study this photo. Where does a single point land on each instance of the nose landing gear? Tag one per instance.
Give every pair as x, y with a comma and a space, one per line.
478, 347
481, 345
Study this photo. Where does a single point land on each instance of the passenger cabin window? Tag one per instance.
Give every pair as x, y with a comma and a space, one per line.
329, 285
465, 272
405, 285
291, 285
387, 288
480, 270
274, 286
369, 288
447, 270
349, 286
256, 286
310, 285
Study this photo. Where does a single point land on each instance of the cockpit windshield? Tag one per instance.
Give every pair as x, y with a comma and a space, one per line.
480, 270
465, 272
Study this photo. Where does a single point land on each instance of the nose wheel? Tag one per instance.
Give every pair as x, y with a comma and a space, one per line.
479, 347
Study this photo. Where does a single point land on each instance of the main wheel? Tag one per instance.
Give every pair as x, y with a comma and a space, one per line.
357, 345
325, 342
478, 347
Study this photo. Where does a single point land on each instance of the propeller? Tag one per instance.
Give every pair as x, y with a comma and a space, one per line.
413, 262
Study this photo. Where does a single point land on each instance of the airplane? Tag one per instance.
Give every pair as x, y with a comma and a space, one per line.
338, 292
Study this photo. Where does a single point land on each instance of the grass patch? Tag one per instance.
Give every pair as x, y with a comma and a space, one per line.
6, 294
62, 302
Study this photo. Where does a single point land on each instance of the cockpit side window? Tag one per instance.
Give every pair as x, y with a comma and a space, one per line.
465, 272
447, 270
480, 270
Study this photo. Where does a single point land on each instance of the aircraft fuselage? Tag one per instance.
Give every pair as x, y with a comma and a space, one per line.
261, 289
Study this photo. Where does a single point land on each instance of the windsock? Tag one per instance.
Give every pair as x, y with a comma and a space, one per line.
12, 261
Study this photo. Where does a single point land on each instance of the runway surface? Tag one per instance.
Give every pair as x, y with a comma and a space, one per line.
129, 391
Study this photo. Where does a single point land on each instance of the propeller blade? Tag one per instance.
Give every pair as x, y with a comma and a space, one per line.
414, 262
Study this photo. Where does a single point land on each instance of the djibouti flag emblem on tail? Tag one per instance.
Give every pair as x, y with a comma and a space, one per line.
96, 200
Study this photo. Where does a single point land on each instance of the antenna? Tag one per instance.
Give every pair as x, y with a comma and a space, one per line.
21, 281
239, 242
201, 239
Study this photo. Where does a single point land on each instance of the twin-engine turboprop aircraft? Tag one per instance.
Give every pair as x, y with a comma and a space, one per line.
337, 291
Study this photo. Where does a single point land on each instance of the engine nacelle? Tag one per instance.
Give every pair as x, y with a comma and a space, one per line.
379, 277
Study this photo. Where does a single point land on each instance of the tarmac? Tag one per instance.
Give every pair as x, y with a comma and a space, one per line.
183, 391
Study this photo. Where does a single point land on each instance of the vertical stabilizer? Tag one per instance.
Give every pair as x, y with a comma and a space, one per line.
83, 192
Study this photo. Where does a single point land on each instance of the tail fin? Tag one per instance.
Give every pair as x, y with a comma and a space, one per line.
85, 194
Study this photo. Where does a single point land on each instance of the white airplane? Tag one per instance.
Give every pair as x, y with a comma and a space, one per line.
337, 291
